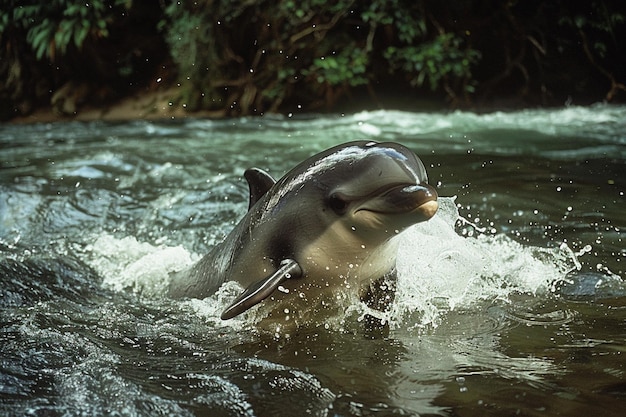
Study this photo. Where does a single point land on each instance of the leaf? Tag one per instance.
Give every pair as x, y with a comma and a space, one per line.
40, 37
72, 10
80, 35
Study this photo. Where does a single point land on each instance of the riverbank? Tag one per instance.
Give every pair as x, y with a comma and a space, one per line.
159, 104
147, 105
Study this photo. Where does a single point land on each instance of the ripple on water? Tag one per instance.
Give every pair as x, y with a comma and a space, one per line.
546, 315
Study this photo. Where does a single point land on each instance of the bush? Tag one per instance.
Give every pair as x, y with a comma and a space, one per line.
254, 56
106, 45
53, 25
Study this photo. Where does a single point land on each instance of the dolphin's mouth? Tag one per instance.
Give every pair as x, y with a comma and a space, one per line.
404, 198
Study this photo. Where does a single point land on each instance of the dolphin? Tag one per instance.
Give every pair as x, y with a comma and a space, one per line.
327, 227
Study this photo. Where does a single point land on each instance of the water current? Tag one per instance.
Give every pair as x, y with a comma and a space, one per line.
510, 301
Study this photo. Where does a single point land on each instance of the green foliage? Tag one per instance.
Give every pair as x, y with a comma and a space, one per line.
189, 37
256, 53
54, 25
349, 66
598, 17
433, 61
189, 32
406, 17
255, 56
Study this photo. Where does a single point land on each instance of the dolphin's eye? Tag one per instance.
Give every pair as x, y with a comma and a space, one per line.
337, 204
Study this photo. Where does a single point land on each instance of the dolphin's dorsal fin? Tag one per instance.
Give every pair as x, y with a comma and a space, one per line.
259, 182
260, 290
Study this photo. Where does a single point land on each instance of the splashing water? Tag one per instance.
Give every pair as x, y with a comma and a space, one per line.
127, 264
438, 270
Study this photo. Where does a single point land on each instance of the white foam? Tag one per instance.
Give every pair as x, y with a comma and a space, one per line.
211, 307
127, 264
439, 270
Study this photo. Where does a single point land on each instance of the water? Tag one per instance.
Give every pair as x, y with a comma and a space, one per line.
518, 306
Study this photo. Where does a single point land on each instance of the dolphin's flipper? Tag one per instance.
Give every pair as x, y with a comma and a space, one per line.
259, 182
260, 290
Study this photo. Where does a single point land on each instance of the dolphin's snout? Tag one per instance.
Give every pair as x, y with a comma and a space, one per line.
421, 192
405, 199
424, 197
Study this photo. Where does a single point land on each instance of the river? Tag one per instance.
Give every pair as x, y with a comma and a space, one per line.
510, 301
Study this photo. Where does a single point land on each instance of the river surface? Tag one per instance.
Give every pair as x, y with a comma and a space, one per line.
510, 301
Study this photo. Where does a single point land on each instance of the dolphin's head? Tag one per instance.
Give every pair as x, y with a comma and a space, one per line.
377, 189
342, 206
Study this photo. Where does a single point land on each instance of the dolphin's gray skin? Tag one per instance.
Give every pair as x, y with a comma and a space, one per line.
326, 228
